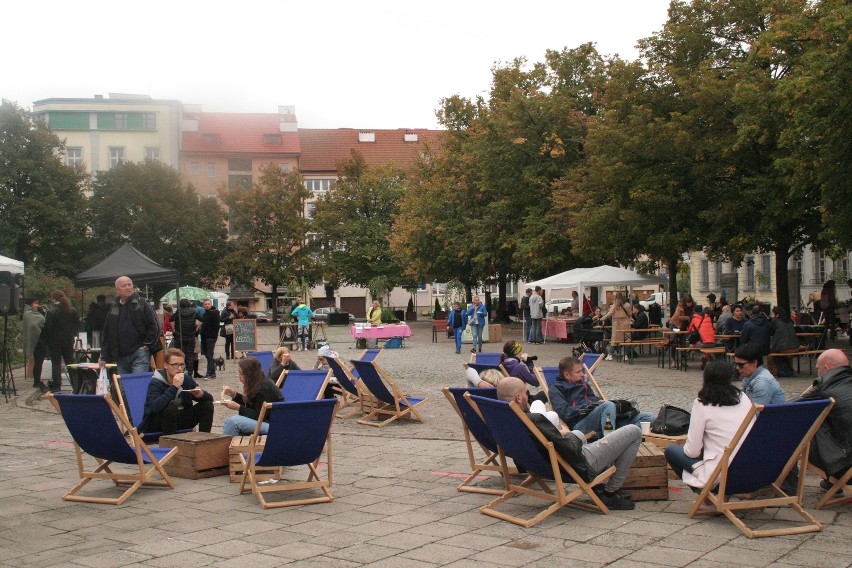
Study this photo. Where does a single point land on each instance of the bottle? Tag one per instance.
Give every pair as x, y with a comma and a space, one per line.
608, 427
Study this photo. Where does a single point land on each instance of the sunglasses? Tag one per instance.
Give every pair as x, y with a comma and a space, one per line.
741, 365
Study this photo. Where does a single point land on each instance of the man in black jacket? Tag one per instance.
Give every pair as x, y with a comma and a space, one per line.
209, 336
174, 400
619, 448
131, 331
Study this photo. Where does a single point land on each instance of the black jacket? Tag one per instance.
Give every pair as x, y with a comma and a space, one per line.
831, 449
144, 329
277, 368
569, 448
183, 321
756, 331
267, 392
210, 324
161, 393
60, 328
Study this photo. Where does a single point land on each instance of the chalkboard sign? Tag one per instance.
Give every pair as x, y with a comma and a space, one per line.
245, 335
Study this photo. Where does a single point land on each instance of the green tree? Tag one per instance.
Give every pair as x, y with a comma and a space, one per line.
354, 223
147, 205
268, 232
41, 199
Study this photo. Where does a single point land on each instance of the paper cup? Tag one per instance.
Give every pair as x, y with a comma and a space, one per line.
646, 428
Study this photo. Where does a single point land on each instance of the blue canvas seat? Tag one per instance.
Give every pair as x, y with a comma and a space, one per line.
91, 420
492, 359
348, 389
298, 433
389, 400
370, 355
514, 432
770, 441
266, 359
476, 430
303, 384
548, 375
134, 386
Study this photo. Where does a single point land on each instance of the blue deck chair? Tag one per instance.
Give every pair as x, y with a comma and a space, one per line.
841, 484
298, 432
303, 384
265, 357
349, 390
548, 375
591, 361
474, 427
514, 433
135, 388
768, 443
492, 359
91, 420
369, 355
388, 399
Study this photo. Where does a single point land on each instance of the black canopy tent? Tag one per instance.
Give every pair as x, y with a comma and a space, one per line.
127, 261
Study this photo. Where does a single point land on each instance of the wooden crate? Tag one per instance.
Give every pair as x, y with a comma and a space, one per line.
239, 444
647, 480
495, 333
200, 454
661, 441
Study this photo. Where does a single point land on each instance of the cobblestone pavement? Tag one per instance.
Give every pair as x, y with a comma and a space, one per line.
395, 499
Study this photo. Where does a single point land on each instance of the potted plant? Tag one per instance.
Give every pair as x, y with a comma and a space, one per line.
410, 312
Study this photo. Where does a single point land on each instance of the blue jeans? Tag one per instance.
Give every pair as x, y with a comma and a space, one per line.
137, 362
596, 419
679, 460
457, 333
208, 344
242, 426
476, 331
535, 331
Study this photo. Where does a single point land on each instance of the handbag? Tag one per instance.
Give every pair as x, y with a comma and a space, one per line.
624, 411
229, 329
671, 421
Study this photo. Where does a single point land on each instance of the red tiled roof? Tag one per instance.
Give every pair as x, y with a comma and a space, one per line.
222, 133
323, 148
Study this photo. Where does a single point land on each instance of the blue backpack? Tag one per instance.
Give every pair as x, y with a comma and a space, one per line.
393, 343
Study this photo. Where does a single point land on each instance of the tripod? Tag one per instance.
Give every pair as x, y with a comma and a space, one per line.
7, 379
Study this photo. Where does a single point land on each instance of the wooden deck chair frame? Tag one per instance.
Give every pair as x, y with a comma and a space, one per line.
489, 358
541, 375
345, 396
838, 485
477, 466
717, 497
251, 460
365, 354
557, 470
156, 458
136, 406
388, 400
308, 372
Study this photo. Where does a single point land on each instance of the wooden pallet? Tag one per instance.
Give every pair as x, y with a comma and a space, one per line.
239, 444
648, 480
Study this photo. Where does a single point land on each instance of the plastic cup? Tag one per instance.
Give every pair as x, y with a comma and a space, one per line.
646, 428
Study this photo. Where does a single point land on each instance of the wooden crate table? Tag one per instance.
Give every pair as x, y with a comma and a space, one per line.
200, 454
661, 441
239, 445
647, 480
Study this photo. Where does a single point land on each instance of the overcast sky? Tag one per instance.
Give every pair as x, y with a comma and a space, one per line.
343, 64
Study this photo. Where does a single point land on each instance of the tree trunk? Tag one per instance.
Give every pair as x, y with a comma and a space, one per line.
274, 301
672, 262
782, 285
501, 297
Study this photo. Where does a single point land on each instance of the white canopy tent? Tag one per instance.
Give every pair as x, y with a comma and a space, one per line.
581, 278
11, 265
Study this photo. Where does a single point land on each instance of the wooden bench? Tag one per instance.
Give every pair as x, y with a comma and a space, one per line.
631, 344
810, 354
438, 327
683, 354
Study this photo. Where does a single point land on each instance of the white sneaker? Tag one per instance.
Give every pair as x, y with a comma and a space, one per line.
609, 357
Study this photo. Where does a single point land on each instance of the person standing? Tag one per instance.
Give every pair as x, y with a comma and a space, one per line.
374, 317
209, 336
525, 309
131, 331
95, 319
477, 317
227, 318
34, 349
303, 314
536, 314
456, 323
60, 330
185, 326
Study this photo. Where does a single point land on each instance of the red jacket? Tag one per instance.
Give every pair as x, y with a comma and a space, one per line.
704, 327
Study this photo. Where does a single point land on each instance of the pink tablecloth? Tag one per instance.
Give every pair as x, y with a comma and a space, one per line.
556, 327
383, 332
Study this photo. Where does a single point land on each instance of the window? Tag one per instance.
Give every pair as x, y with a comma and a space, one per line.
749, 283
309, 210
718, 274
765, 272
239, 165
284, 167
211, 169
152, 154
366, 137
239, 181
149, 121
819, 267
211, 196
842, 265
195, 168
272, 139
799, 274
121, 121
74, 157
319, 185
210, 139
705, 275
116, 156
410, 137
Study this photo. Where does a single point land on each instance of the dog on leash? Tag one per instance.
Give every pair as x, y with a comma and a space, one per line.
220, 363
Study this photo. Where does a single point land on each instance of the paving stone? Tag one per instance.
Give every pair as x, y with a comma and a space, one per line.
662, 556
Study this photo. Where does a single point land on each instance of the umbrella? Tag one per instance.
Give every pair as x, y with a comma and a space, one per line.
189, 292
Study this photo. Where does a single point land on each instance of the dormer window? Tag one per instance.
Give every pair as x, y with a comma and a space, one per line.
366, 137
410, 137
210, 138
272, 139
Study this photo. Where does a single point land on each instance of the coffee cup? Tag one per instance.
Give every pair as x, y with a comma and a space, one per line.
646, 428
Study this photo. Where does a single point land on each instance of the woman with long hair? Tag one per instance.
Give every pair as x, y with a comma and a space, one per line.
621, 316
61, 326
257, 390
828, 306
683, 313
717, 414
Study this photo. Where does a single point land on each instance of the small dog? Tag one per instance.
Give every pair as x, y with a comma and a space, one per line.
220, 363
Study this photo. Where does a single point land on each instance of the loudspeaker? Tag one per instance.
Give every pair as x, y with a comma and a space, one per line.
10, 294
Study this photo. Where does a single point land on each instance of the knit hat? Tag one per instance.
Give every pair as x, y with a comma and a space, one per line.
512, 348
